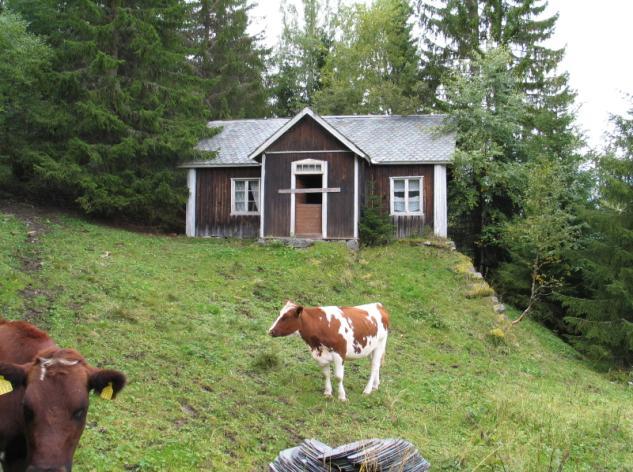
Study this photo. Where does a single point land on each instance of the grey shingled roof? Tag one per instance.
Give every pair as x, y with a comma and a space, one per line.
385, 139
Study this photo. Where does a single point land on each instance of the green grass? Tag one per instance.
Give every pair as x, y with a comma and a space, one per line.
208, 389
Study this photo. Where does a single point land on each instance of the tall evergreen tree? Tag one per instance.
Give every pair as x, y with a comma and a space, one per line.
456, 33
373, 65
133, 107
601, 311
487, 110
300, 56
25, 113
229, 58
456, 30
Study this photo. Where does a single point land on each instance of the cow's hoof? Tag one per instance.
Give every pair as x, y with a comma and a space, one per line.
343, 399
366, 392
327, 394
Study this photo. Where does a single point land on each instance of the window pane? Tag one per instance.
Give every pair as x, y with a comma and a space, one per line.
414, 185
240, 206
414, 204
239, 184
398, 196
253, 196
240, 196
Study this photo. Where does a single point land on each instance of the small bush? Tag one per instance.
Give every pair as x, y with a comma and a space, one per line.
375, 226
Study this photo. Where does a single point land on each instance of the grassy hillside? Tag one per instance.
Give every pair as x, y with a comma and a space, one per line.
187, 319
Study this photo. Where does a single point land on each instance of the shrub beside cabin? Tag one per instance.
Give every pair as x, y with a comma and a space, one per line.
310, 176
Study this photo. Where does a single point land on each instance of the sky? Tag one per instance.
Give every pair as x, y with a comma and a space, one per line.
598, 37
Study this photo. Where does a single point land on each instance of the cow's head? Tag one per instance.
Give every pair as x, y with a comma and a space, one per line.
288, 320
55, 402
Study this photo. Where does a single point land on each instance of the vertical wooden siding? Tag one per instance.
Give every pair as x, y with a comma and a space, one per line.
306, 135
380, 175
340, 204
213, 204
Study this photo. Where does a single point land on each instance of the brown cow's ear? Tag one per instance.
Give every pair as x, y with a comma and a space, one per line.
14, 373
298, 311
102, 378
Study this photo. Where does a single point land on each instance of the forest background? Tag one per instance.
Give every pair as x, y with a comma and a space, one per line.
101, 100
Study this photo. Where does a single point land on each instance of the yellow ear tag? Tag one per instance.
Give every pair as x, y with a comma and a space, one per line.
5, 386
107, 392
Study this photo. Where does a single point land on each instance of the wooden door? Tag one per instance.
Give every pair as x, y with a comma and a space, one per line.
308, 208
308, 220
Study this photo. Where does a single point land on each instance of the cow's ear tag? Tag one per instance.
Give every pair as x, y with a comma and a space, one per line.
5, 386
107, 392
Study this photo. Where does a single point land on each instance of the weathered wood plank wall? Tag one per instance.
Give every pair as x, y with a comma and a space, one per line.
340, 204
213, 204
404, 225
308, 135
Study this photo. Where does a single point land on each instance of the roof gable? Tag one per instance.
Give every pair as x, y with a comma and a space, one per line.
307, 112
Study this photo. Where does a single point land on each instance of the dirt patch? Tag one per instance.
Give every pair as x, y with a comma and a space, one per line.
37, 219
37, 301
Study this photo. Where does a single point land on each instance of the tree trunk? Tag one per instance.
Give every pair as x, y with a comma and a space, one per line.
534, 293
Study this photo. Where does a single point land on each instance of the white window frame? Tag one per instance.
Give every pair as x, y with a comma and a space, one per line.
406, 211
234, 212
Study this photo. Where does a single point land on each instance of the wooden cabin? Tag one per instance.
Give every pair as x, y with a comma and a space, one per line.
310, 176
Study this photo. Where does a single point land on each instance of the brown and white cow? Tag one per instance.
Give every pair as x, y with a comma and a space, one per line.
335, 334
44, 399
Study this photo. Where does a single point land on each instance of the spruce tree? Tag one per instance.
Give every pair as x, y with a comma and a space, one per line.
25, 113
455, 34
601, 309
228, 58
132, 104
487, 184
456, 30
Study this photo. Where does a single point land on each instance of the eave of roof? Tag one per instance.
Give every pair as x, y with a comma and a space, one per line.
210, 164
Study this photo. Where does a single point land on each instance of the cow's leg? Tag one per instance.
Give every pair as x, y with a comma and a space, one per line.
339, 372
328, 383
376, 361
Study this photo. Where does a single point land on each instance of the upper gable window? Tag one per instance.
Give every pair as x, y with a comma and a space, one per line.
308, 166
301, 168
406, 196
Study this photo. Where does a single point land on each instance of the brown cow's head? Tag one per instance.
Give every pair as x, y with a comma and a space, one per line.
55, 403
288, 320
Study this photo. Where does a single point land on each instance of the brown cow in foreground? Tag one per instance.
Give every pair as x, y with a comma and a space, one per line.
43, 416
337, 333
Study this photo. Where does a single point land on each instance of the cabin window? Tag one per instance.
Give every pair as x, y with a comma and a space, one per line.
308, 166
244, 196
406, 195
308, 169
